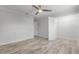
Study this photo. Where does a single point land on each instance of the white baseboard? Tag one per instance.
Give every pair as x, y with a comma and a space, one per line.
42, 36
69, 38
4, 43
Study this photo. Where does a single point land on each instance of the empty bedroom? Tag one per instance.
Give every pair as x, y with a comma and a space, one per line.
39, 29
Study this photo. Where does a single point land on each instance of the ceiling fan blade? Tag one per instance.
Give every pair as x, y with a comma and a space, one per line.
35, 7
47, 10
39, 6
36, 13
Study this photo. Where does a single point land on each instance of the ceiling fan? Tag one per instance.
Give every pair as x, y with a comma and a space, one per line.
39, 9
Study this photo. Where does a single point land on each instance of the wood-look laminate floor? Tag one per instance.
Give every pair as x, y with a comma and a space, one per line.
40, 45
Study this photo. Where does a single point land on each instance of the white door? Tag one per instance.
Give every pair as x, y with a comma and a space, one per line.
52, 28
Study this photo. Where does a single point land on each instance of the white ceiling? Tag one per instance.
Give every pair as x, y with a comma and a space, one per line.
58, 10
26, 9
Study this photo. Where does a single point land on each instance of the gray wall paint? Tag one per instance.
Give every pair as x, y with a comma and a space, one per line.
36, 27
15, 27
67, 27
42, 26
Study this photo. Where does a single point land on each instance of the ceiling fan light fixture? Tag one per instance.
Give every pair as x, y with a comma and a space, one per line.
40, 11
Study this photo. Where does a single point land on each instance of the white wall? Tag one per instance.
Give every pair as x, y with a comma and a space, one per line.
42, 27
67, 27
15, 27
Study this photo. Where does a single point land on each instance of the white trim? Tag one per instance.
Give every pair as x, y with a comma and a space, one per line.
4, 43
42, 35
